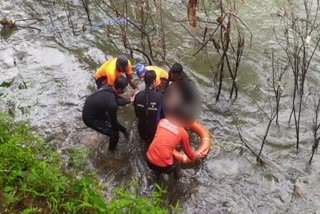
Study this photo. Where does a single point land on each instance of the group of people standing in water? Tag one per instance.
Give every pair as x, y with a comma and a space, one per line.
162, 108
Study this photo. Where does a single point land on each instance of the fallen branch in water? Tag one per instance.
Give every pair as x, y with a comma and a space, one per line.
315, 128
259, 160
11, 23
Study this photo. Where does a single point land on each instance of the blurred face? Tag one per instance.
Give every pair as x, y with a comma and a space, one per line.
177, 109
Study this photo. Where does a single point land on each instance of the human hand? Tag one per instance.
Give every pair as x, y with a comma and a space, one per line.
134, 92
131, 98
133, 95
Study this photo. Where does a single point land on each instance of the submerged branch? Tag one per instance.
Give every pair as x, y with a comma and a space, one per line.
259, 160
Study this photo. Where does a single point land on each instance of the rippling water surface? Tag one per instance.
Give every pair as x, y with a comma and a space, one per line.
51, 73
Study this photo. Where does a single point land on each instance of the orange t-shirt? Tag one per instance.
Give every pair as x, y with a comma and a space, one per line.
160, 73
109, 70
168, 136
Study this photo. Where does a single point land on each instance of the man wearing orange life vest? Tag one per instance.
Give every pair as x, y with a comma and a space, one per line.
112, 68
168, 136
161, 75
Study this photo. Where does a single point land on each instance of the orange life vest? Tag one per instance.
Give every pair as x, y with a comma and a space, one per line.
109, 70
160, 73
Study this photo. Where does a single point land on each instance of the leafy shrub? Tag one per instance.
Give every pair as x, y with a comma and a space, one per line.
129, 201
32, 181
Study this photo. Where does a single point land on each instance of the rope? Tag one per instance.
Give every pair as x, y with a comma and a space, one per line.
218, 146
199, 170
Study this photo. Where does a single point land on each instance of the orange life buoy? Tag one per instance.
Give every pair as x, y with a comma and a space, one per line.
204, 145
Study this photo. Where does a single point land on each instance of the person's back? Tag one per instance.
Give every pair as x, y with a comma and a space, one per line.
107, 72
99, 102
162, 75
147, 106
160, 153
111, 69
100, 110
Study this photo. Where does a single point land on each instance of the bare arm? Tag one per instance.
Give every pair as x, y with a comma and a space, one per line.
132, 83
186, 145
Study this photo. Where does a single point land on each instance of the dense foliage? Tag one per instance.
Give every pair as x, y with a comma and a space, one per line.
32, 180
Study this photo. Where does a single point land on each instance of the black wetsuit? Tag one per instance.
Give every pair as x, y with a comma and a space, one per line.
100, 113
147, 106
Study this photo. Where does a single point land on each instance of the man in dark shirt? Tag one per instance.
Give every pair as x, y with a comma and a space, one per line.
100, 110
147, 105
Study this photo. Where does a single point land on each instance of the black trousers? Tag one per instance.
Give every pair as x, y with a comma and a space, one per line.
158, 169
103, 126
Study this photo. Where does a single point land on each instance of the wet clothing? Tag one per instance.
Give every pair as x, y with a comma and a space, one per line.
162, 75
108, 72
100, 113
147, 106
166, 170
168, 136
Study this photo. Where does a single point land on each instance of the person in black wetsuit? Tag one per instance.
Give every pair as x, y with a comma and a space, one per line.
147, 105
100, 110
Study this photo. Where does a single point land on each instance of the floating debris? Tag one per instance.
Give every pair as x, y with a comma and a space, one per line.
296, 191
133, 12
307, 41
280, 85
281, 12
6, 22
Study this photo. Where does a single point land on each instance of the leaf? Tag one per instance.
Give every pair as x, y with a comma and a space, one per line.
133, 12
280, 85
296, 191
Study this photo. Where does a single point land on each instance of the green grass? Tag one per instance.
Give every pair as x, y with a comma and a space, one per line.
32, 180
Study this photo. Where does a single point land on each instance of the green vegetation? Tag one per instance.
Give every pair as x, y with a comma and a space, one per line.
32, 180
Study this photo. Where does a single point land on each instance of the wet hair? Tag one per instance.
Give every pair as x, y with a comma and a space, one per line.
122, 60
176, 69
149, 77
121, 82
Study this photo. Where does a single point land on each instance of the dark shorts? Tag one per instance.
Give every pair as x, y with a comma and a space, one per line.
165, 170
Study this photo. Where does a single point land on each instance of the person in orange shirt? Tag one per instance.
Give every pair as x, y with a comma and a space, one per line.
161, 75
112, 68
168, 136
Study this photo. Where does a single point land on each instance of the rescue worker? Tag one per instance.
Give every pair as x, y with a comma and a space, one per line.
168, 136
162, 75
112, 68
100, 110
147, 106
